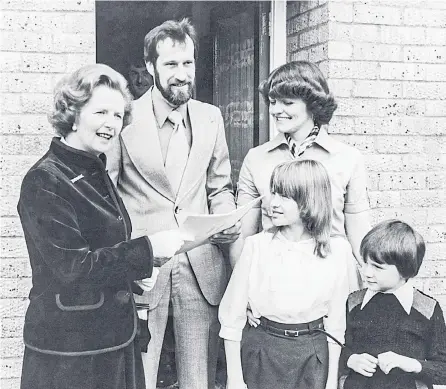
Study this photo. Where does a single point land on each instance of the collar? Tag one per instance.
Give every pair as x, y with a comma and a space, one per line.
323, 139
76, 157
404, 294
162, 108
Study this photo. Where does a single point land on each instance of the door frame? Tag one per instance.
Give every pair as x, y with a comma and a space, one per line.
278, 39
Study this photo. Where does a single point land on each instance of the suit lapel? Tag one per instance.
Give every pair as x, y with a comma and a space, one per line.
142, 143
202, 136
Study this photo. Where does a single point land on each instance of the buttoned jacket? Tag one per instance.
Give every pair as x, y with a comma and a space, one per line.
77, 232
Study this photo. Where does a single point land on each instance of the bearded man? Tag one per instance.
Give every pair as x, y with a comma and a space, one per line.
173, 158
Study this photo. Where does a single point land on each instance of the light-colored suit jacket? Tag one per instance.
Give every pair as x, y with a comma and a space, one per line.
136, 166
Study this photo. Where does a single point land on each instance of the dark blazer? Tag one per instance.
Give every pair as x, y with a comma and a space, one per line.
77, 232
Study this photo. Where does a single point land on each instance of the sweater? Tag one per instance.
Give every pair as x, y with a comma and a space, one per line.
383, 325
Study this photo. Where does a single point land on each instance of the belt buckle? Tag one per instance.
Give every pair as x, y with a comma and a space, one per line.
292, 333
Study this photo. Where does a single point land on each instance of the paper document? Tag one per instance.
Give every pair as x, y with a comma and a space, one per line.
197, 228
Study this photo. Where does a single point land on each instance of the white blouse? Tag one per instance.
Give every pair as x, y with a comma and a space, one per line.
286, 282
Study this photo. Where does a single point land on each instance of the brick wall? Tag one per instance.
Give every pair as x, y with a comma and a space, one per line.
307, 31
390, 80
386, 62
40, 41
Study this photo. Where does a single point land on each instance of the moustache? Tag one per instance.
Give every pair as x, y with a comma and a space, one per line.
181, 84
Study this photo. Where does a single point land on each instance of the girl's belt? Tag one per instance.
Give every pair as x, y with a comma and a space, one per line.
291, 330
295, 330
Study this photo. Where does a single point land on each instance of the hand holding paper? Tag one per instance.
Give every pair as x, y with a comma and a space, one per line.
229, 235
198, 228
165, 244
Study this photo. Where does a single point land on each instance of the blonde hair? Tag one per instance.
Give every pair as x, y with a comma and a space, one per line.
306, 182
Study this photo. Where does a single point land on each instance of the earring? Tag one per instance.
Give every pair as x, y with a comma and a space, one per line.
74, 127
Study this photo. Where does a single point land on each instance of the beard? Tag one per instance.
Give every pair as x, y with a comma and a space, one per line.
174, 97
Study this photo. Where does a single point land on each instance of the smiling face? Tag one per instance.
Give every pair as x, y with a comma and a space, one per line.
284, 211
381, 277
290, 115
174, 70
99, 121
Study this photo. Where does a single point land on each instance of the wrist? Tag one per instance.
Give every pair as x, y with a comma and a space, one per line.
415, 365
238, 383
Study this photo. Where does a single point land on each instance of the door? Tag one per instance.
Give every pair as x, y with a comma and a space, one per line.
241, 61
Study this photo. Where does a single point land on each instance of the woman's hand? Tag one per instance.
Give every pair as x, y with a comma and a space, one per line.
165, 244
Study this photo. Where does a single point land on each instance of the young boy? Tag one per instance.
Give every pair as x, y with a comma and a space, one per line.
396, 335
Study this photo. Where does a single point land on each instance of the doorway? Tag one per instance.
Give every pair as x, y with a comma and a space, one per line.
233, 57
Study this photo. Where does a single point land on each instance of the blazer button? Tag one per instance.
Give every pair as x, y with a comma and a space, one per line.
119, 217
122, 297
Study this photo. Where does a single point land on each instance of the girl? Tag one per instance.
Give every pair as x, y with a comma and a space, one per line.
292, 281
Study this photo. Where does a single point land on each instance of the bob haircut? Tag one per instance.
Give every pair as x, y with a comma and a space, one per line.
306, 182
394, 242
173, 29
75, 90
301, 80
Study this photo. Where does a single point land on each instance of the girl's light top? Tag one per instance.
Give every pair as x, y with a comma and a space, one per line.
286, 282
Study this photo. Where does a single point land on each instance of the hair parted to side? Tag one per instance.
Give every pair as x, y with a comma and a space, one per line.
302, 80
176, 30
395, 242
75, 90
306, 181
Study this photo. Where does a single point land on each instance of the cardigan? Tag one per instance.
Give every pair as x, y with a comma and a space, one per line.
77, 233
383, 325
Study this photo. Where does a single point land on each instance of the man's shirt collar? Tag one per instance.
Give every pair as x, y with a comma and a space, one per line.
404, 295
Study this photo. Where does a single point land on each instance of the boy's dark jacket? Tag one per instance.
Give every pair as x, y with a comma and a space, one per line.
77, 232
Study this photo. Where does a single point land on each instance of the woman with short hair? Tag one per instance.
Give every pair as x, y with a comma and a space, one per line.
81, 325
300, 104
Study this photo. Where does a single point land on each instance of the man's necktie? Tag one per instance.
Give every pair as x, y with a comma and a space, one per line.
177, 151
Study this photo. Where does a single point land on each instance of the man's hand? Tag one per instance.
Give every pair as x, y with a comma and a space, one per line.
229, 235
363, 364
389, 360
165, 244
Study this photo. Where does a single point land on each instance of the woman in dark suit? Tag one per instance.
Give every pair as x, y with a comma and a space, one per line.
81, 324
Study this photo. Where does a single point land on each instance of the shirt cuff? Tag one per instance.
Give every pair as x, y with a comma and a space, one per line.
147, 284
356, 207
230, 333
